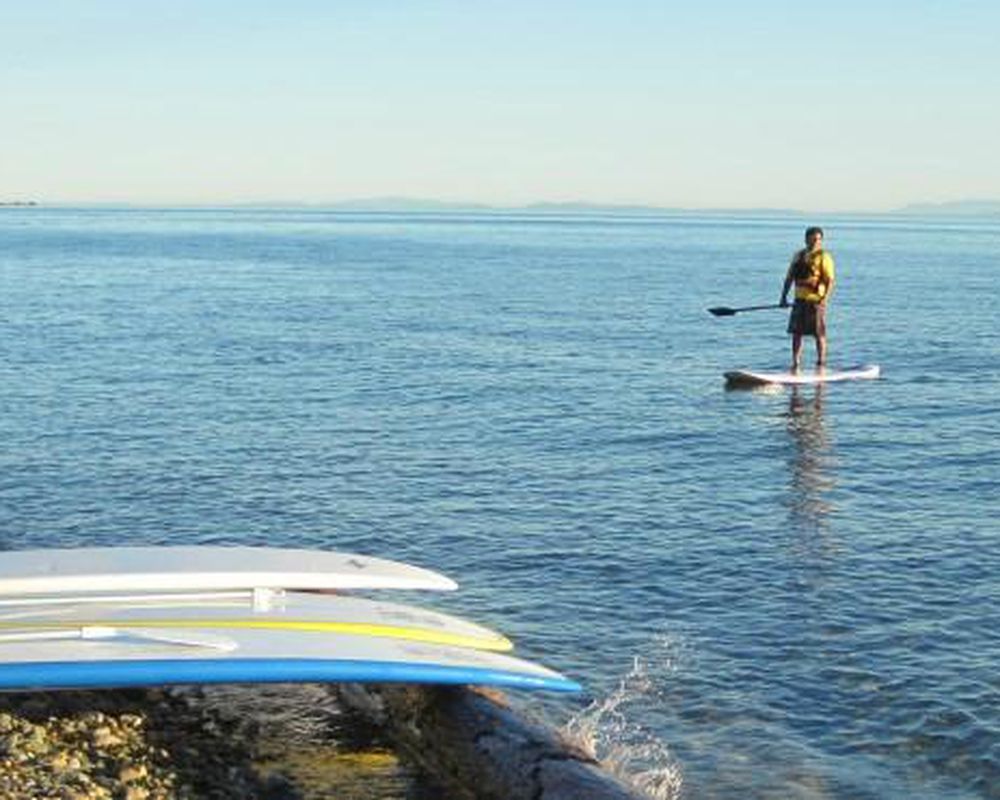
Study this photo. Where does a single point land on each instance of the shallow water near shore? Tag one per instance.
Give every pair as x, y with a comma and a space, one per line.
788, 594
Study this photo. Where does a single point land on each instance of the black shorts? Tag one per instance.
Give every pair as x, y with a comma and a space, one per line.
807, 319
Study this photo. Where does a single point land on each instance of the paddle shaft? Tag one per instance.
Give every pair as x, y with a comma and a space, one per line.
724, 311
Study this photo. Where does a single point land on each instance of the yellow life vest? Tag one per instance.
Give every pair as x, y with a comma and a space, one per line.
813, 274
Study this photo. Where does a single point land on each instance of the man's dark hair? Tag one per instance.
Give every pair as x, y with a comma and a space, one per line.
812, 230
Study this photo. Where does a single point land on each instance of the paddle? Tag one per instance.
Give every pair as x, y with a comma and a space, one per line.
725, 311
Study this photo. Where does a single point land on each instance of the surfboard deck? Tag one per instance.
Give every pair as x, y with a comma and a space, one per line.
106, 657
202, 568
300, 611
751, 378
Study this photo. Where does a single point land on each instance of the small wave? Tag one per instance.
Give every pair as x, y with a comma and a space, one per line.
605, 730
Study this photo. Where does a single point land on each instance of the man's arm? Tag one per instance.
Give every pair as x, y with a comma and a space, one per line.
789, 279
830, 276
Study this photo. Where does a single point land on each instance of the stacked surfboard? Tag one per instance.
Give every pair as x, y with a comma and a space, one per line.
155, 616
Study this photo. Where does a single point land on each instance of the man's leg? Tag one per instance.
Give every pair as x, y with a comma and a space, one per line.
821, 335
821, 351
796, 351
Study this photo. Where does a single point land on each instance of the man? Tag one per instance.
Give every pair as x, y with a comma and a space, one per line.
811, 271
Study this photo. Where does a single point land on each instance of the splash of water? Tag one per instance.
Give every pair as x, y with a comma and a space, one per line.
605, 730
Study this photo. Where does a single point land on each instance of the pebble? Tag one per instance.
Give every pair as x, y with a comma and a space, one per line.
185, 744
114, 746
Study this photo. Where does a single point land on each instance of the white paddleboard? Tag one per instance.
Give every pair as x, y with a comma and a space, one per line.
801, 378
298, 611
202, 568
106, 656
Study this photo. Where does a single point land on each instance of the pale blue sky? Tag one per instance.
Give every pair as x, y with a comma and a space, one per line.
833, 106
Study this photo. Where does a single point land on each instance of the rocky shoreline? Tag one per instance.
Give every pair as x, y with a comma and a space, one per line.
263, 743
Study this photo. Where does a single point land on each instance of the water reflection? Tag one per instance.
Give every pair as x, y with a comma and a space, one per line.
812, 461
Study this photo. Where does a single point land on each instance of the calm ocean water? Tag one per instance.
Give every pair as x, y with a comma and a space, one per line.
767, 594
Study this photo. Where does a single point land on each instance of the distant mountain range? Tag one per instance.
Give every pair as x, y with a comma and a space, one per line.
413, 205
410, 205
956, 208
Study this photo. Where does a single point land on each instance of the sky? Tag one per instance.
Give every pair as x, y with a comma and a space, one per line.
711, 104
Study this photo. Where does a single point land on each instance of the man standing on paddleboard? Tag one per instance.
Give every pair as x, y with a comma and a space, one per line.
812, 273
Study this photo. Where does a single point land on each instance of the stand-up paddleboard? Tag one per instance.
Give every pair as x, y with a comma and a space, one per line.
202, 568
290, 611
109, 657
803, 378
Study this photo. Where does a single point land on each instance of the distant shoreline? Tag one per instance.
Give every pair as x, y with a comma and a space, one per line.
979, 209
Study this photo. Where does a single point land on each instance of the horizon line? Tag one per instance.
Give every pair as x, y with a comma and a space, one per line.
403, 204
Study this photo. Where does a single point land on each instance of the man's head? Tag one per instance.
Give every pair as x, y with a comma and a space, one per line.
814, 237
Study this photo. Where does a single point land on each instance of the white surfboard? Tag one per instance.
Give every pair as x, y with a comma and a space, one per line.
802, 378
299, 611
202, 568
106, 656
